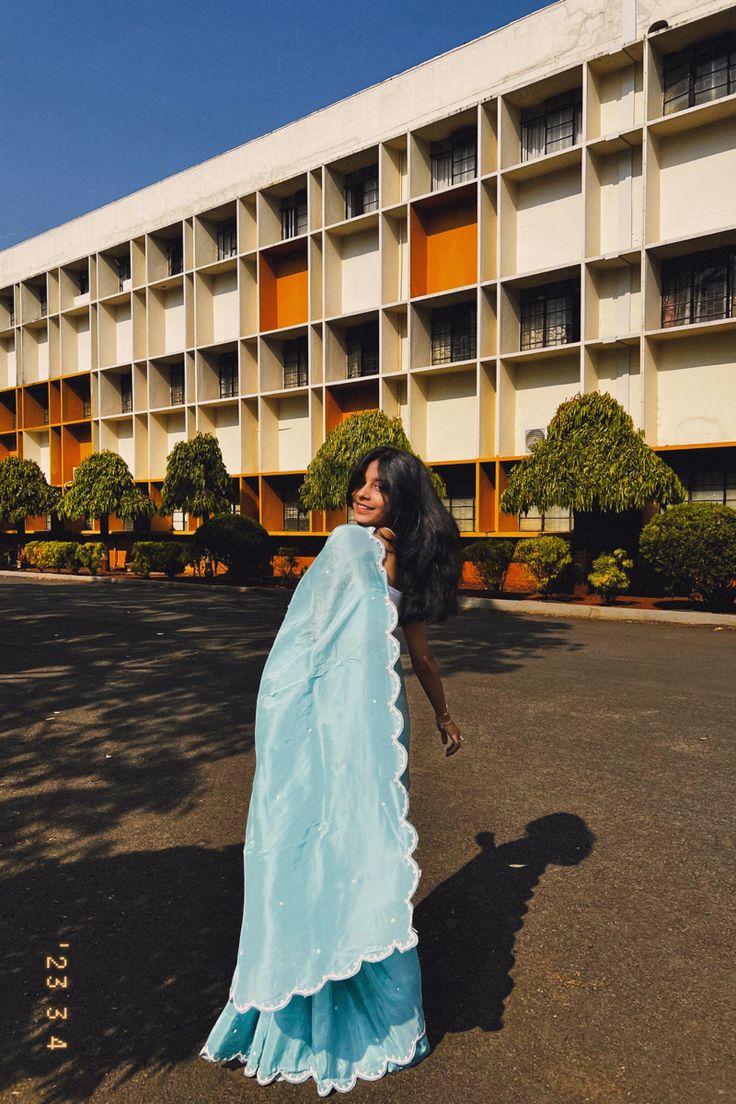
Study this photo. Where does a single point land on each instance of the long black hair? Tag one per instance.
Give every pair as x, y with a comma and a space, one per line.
427, 546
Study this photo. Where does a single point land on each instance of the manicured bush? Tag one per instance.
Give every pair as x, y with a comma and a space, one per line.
544, 558
491, 559
43, 554
239, 542
90, 555
166, 556
609, 575
288, 554
693, 547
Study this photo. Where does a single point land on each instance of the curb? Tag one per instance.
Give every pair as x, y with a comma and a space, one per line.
503, 605
600, 613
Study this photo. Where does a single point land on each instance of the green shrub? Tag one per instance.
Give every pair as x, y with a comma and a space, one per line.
693, 547
608, 577
90, 555
166, 556
544, 558
491, 559
43, 554
288, 555
239, 542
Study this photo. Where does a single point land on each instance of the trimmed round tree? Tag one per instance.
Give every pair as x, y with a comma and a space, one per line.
24, 492
326, 480
197, 480
596, 464
103, 485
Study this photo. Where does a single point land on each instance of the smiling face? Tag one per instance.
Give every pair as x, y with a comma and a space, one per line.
370, 504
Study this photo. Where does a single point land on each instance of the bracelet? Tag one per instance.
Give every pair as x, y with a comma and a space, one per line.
446, 715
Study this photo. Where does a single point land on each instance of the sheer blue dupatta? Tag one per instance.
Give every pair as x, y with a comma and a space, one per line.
328, 866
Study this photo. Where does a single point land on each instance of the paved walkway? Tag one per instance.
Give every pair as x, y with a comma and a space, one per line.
575, 910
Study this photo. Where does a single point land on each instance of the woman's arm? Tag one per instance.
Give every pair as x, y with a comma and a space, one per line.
427, 671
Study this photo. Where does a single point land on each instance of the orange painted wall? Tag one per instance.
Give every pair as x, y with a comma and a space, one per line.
284, 288
444, 248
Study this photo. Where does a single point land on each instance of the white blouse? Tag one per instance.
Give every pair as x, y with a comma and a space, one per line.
394, 594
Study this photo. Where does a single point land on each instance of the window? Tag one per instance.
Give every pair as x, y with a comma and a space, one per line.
227, 239
175, 256
361, 191
699, 287
176, 383
42, 302
126, 393
294, 215
453, 333
453, 159
295, 358
86, 407
227, 370
122, 265
83, 281
295, 516
557, 519
550, 315
362, 350
699, 74
178, 521
462, 509
712, 485
554, 125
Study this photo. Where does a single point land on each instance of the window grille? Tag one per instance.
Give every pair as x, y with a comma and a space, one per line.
294, 215
294, 516
712, 485
462, 509
554, 125
176, 382
453, 333
556, 519
86, 407
126, 394
122, 265
178, 521
362, 350
361, 192
699, 287
227, 238
295, 358
227, 371
698, 74
453, 159
175, 257
550, 315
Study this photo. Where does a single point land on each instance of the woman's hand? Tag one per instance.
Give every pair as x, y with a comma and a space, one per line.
450, 729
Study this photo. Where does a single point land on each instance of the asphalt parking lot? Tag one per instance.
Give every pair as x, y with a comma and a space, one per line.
575, 910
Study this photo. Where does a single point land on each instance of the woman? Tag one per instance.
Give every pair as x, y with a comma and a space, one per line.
327, 983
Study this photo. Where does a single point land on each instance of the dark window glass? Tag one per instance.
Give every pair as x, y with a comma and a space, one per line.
361, 191
453, 333
227, 370
126, 393
227, 239
42, 302
453, 159
122, 264
296, 362
295, 517
294, 215
701, 73
462, 510
362, 350
176, 381
83, 281
554, 125
550, 315
699, 287
175, 256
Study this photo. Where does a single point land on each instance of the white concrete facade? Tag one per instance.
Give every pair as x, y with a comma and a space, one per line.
100, 299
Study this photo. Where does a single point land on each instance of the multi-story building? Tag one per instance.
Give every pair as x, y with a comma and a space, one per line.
547, 209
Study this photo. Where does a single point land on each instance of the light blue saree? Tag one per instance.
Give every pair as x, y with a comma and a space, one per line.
327, 982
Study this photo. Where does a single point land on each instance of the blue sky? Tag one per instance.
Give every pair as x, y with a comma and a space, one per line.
101, 98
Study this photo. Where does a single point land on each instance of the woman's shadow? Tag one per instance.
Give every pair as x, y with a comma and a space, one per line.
467, 926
